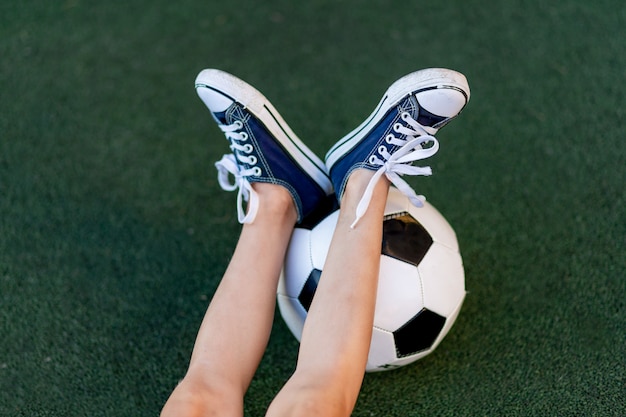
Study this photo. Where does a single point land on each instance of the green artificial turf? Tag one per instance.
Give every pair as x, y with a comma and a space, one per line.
114, 232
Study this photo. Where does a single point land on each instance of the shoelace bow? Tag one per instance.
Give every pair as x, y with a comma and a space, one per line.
231, 164
399, 163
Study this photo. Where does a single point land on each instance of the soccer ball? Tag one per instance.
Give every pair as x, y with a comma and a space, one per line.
421, 284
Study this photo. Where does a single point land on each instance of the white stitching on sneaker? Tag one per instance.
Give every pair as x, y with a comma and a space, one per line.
394, 165
228, 165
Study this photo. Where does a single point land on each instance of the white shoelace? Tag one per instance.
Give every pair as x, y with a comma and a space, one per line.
230, 164
393, 166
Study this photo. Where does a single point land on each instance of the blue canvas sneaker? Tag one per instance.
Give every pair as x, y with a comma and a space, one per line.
264, 148
399, 132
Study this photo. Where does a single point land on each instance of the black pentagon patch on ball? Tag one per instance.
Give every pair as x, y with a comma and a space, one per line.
419, 333
308, 291
404, 238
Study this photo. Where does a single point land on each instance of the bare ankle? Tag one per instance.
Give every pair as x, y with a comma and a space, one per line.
275, 200
358, 181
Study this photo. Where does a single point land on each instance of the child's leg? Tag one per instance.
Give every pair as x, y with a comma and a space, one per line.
237, 324
337, 333
282, 181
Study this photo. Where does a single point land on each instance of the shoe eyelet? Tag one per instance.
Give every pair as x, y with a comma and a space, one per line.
239, 124
372, 159
247, 148
244, 136
382, 150
257, 172
389, 138
252, 160
397, 127
405, 115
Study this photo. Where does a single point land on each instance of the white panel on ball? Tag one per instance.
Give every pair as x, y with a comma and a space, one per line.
297, 267
442, 279
321, 236
382, 350
399, 294
449, 322
438, 227
293, 314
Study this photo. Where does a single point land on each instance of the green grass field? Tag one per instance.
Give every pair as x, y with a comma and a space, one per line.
114, 231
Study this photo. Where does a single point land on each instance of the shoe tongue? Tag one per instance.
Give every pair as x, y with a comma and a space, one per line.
220, 117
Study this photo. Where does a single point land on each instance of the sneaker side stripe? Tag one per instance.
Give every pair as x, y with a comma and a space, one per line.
298, 151
353, 138
357, 129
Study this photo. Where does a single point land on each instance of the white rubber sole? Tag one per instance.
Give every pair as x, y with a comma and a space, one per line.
243, 93
407, 85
